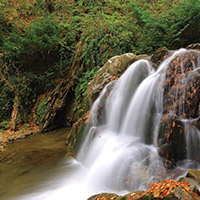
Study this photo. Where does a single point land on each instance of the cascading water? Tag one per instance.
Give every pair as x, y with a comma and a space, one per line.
120, 153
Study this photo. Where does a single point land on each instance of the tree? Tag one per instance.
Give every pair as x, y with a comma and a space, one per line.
17, 83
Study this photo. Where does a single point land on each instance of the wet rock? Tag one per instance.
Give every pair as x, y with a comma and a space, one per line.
177, 94
99, 117
113, 69
192, 184
192, 95
104, 196
194, 174
75, 136
166, 190
169, 190
171, 140
159, 55
193, 46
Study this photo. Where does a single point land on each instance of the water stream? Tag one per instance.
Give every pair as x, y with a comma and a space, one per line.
119, 153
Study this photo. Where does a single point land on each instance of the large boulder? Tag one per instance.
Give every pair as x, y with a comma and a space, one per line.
171, 139
113, 69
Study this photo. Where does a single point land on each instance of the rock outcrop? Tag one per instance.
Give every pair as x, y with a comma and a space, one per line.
61, 97
112, 69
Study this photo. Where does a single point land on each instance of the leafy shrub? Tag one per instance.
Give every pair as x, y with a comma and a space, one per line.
81, 92
41, 37
41, 109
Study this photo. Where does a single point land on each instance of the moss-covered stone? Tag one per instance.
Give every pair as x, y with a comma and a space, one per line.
194, 174
159, 55
104, 196
75, 136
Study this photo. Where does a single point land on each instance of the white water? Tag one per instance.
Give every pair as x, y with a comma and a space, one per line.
120, 154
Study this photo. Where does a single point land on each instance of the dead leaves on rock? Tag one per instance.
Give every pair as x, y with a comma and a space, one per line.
163, 189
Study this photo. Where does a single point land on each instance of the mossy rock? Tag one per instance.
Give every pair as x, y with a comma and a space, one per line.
104, 196
75, 136
159, 55
192, 184
194, 174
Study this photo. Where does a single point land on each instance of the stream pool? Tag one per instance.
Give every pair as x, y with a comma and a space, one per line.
30, 164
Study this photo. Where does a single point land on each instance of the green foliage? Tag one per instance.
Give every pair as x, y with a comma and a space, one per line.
123, 198
4, 125
177, 27
81, 89
81, 92
6, 102
41, 37
184, 25
41, 109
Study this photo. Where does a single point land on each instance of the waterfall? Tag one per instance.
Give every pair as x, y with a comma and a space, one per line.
119, 153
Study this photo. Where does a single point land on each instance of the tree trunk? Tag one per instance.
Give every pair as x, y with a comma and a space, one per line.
15, 113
